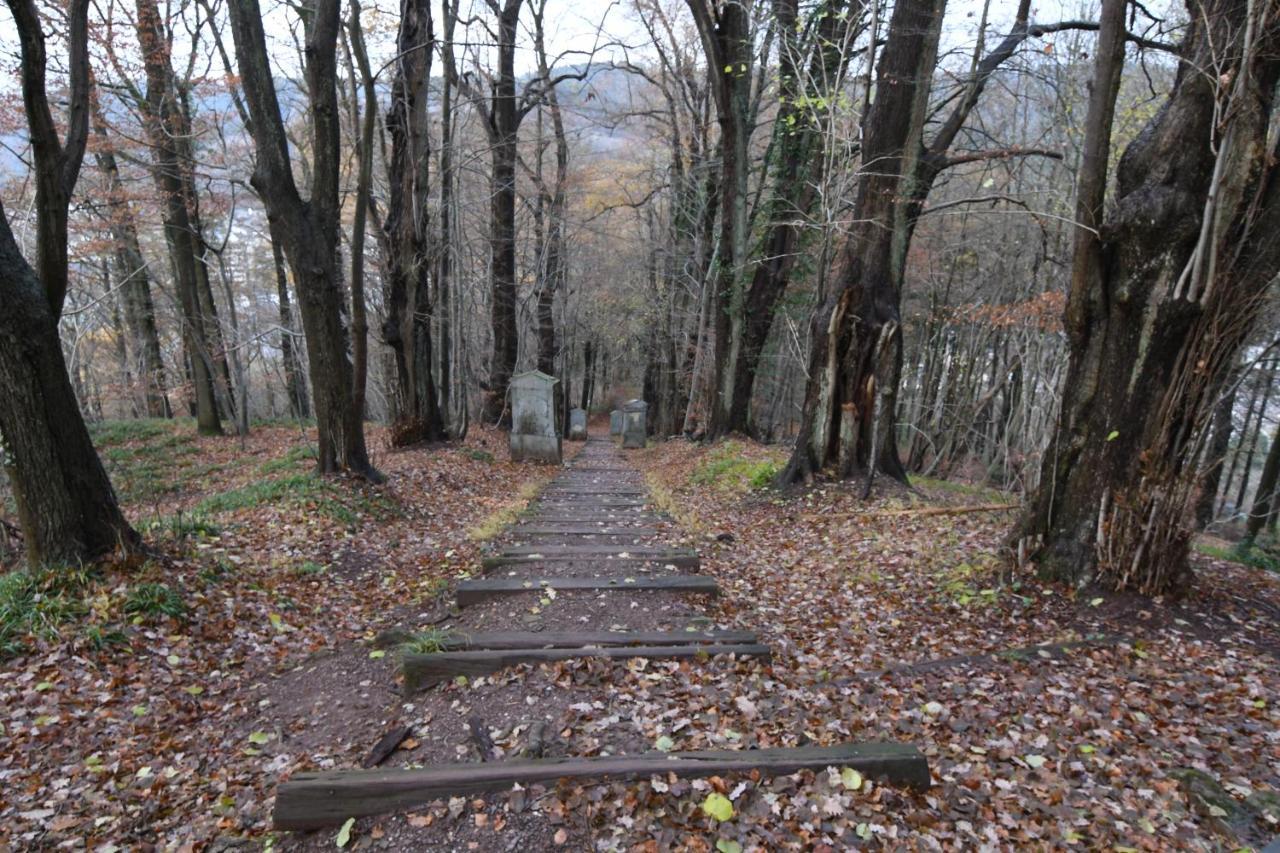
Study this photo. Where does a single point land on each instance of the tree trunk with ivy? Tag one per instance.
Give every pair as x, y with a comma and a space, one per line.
1164, 293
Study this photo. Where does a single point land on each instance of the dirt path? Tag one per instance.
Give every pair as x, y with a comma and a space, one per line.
594, 520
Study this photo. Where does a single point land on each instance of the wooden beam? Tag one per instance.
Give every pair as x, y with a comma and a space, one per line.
683, 560
462, 640
423, 671
474, 591
314, 800
546, 529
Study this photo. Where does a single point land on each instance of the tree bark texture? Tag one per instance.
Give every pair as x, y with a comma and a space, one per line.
1162, 299
856, 332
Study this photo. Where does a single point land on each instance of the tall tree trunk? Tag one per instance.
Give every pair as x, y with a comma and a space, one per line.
504, 116
164, 130
445, 249
1216, 452
856, 332
66, 506
1263, 506
359, 217
796, 159
725, 31
308, 229
406, 232
1162, 297
295, 381
131, 269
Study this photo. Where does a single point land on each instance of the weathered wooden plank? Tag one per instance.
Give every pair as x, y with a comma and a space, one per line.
608, 498
314, 800
606, 550
683, 560
588, 500
423, 671
472, 591
461, 640
581, 530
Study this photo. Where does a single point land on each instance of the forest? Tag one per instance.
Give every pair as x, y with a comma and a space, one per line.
907, 370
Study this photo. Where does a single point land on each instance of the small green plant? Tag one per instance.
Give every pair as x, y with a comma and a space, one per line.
216, 571
154, 600
480, 455
299, 456
99, 637
36, 603
427, 642
1256, 555
307, 568
186, 526
728, 468
109, 433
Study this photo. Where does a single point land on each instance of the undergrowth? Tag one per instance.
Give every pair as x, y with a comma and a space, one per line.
729, 468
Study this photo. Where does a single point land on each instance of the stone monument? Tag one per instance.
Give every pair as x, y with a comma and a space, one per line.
578, 424
615, 422
633, 423
533, 419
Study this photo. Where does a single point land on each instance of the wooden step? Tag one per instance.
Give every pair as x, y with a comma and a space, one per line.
580, 530
589, 500
473, 591
613, 553
580, 554
462, 641
423, 671
314, 800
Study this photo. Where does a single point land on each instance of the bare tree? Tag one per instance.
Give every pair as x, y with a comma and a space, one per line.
308, 228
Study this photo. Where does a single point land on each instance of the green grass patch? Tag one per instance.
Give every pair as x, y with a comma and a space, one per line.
299, 457
1261, 554
985, 494
308, 568
191, 525
308, 490
729, 469
113, 433
145, 458
154, 600
480, 455
498, 520
36, 603
428, 642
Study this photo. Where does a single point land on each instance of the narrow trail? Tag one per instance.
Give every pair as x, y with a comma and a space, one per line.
588, 579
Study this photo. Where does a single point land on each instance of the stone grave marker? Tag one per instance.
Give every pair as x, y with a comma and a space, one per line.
533, 420
615, 422
633, 426
578, 424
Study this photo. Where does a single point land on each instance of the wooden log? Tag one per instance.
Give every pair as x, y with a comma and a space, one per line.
423, 671
314, 800
474, 591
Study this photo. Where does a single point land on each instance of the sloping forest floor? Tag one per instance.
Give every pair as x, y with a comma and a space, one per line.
145, 704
